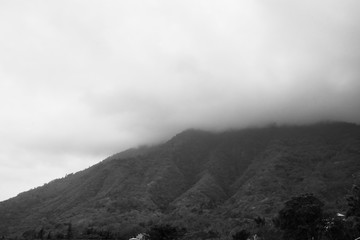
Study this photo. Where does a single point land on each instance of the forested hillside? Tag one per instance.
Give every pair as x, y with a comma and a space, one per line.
211, 184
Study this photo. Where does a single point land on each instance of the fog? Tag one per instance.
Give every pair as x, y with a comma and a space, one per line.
81, 80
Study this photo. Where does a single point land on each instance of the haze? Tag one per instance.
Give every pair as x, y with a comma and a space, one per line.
81, 80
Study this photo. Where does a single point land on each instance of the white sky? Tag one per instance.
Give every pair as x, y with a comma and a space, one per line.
81, 80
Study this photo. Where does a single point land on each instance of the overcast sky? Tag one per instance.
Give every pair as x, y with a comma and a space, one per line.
81, 80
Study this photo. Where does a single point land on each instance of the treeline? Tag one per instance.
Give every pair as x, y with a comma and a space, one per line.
161, 231
302, 218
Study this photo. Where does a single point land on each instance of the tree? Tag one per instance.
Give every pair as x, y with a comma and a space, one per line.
259, 221
41, 234
353, 212
69, 234
301, 218
353, 202
49, 235
59, 235
241, 235
29, 234
336, 228
165, 232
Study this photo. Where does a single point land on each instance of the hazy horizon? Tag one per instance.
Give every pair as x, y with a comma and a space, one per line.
82, 80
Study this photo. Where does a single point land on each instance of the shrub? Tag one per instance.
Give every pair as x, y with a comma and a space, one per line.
301, 218
241, 235
165, 232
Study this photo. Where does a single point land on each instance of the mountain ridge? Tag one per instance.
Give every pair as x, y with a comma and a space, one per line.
224, 176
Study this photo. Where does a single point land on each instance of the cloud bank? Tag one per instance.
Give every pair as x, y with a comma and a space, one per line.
81, 80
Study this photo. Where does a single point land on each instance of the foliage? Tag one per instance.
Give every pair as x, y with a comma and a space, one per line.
353, 202
241, 235
353, 212
253, 170
165, 232
29, 234
301, 218
336, 228
265, 230
40, 234
93, 233
69, 233
259, 221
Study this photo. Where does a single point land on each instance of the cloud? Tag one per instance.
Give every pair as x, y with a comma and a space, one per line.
82, 80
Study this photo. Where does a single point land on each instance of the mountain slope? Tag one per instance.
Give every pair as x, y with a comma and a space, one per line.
219, 176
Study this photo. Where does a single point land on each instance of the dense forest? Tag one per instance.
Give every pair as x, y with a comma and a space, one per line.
289, 182
302, 217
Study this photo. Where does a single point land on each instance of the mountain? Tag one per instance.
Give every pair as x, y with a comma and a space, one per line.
200, 180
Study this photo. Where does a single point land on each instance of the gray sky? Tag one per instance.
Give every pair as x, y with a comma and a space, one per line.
81, 80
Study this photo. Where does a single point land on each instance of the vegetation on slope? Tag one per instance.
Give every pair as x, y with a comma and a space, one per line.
209, 184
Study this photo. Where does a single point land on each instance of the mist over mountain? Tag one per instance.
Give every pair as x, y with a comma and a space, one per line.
199, 180
81, 80
269, 93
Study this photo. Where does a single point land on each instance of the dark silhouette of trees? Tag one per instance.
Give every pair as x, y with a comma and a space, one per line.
260, 221
336, 228
69, 234
353, 202
165, 232
29, 234
241, 235
353, 211
49, 235
41, 234
93, 233
59, 236
301, 218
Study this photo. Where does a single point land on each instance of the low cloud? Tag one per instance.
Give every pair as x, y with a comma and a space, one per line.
83, 80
